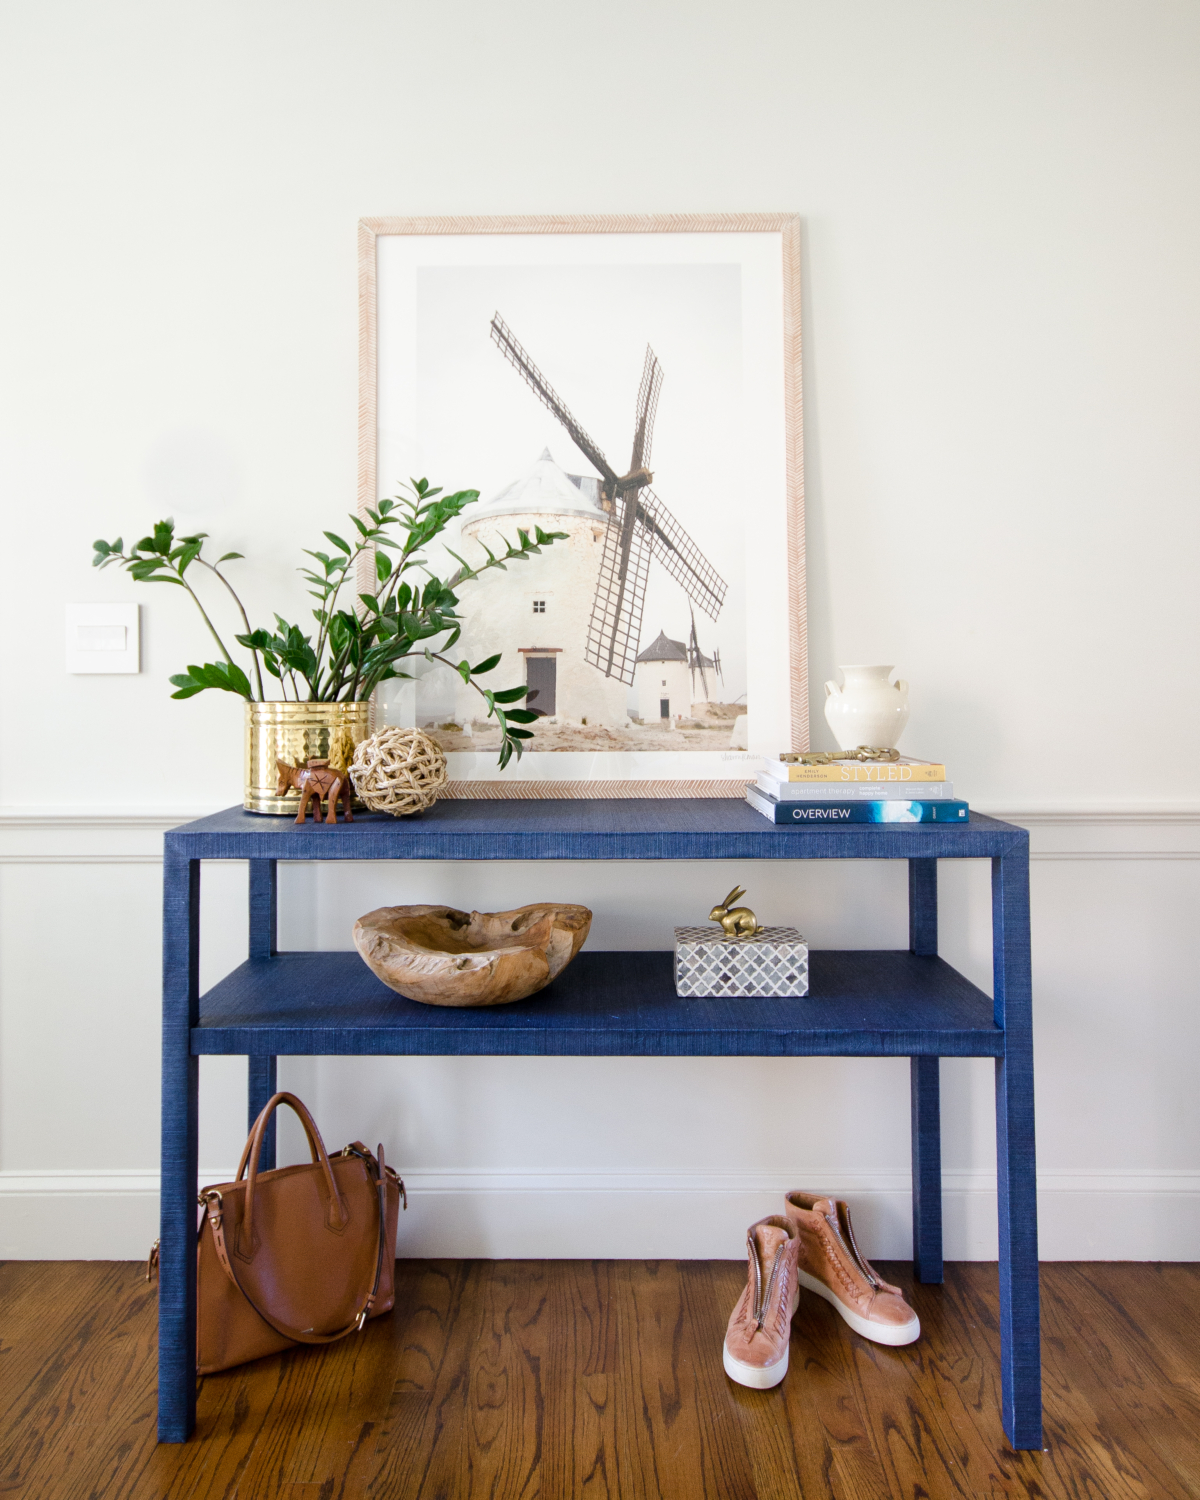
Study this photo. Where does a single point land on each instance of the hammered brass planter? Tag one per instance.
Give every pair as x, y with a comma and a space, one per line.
295, 732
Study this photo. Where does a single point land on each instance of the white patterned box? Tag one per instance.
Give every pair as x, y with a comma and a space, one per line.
710, 965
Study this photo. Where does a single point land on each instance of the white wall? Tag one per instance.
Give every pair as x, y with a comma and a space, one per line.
1001, 386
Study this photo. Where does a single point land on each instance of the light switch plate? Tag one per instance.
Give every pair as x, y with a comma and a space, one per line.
103, 638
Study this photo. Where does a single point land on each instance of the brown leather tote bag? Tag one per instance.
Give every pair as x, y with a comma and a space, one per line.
299, 1255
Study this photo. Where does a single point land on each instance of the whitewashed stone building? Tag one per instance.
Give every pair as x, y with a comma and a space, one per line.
536, 613
665, 684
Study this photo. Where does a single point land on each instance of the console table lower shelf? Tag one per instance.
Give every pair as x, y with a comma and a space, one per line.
862, 1004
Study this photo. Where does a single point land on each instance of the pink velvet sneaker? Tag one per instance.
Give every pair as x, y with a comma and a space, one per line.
756, 1341
831, 1264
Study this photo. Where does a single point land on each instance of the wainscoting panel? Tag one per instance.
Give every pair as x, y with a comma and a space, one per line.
616, 1157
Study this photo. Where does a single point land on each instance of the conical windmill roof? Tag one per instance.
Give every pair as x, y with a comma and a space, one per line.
546, 490
665, 649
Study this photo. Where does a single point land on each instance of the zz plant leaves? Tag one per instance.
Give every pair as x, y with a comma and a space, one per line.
356, 645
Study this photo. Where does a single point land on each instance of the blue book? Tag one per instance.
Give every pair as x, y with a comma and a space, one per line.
829, 814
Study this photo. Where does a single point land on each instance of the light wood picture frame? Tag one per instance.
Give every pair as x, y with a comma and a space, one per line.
677, 596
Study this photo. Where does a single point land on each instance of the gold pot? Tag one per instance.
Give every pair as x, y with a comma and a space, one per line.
293, 732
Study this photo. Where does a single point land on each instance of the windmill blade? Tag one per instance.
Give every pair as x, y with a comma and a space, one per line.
682, 559
644, 413
615, 627
696, 656
545, 392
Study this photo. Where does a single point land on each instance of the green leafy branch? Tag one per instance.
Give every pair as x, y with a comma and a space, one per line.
357, 647
162, 557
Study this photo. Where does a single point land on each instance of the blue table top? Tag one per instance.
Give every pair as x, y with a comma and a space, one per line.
603, 828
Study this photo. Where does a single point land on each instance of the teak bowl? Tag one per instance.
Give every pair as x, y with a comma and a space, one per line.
441, 956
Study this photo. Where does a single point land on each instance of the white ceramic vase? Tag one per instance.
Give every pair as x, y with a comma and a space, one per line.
868, 709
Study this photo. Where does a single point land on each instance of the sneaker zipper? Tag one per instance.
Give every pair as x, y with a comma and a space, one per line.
857, 1259
760, 1308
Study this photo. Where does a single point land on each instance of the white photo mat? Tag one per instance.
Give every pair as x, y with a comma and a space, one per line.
756, 479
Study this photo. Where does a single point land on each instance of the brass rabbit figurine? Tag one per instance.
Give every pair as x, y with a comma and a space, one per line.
738, 921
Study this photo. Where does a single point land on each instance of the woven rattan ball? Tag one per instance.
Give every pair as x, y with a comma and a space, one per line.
398, 771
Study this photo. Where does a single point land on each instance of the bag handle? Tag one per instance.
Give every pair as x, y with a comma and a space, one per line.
214, 1208
305, 1119
336, 1216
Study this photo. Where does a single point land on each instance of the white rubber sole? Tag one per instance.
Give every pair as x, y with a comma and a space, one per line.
757, 1377
878, 1333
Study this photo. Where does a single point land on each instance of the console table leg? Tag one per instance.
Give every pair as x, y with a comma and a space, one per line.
264, 907
924, 1090
923, 906
925, 1093
1016, 1167
180, 1081
263, 1083
264, 923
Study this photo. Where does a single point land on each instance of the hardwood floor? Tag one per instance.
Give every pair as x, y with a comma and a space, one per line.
603, 1379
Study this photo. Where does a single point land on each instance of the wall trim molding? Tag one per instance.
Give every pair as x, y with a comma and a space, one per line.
1038, 855
1101, 813
67, 817
82, 859
71, 820
67, 835
475, 1180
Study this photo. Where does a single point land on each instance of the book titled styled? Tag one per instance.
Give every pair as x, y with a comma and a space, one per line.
901, 770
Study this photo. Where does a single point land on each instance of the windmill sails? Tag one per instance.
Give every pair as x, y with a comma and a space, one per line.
639, 526
545, 392
615, 627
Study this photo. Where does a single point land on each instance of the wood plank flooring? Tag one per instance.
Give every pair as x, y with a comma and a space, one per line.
519, 1379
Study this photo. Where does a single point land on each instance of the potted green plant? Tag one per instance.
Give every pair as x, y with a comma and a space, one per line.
326, 677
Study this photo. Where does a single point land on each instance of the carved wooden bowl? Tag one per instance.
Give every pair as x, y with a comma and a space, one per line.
440, 956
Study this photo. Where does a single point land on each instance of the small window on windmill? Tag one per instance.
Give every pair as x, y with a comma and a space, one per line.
539, 606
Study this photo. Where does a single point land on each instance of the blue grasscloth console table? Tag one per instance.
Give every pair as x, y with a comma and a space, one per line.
860, 1004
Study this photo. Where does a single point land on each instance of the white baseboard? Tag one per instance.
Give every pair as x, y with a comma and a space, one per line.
1153, 1215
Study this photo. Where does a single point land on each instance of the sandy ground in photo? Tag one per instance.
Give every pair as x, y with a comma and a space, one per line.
712, 732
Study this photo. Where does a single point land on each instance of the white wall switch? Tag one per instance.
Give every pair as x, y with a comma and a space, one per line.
103, 638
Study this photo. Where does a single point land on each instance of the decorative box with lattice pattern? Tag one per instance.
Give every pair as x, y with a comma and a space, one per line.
711, 965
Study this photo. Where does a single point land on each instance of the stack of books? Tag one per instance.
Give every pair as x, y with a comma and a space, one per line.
856, 791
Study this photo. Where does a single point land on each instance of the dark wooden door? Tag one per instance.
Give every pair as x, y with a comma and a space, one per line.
541, 674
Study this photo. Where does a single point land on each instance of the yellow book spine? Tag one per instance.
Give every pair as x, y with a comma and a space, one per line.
846, 771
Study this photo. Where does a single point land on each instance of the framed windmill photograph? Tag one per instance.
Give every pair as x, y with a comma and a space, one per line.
629, 388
